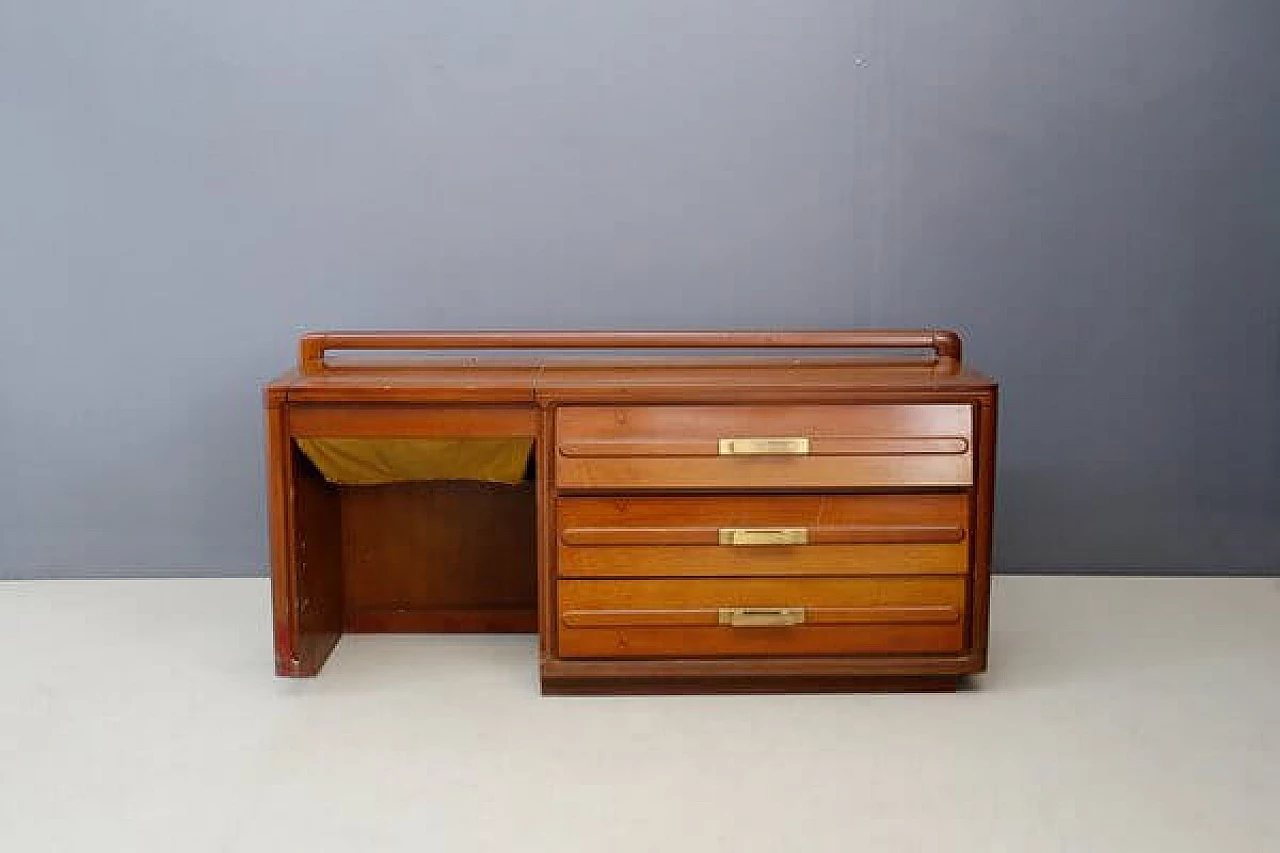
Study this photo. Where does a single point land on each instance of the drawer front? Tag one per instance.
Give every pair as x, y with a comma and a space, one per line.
759, 616
697, 536
746, 447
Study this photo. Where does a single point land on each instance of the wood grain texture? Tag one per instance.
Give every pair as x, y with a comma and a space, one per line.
907, 614
315, 568
408, 421
811, 666
850, 447
738, 684
613, 380
678, 535
821, 446
678, 618
907, 442
983, 519
442, 620
432, 552
682, 423
280, 475
544, 477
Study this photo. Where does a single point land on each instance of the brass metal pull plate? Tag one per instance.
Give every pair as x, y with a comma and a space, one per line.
764, 446
761, 617
764, 536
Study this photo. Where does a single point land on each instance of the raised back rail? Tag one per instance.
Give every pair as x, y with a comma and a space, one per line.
313, 346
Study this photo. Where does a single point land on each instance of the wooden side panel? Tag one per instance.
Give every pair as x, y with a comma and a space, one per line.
279, 471
306, 578
318, 557
846, 535
665, 447
545, 491
983, 518
681, 618
439, 556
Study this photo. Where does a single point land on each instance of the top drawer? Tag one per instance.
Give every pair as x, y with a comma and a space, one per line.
764, 447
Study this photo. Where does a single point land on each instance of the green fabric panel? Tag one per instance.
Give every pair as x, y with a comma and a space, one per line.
372, 461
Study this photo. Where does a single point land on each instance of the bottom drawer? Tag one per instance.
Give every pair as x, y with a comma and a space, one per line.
759, 616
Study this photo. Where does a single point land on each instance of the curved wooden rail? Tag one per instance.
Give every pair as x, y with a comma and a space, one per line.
945, 344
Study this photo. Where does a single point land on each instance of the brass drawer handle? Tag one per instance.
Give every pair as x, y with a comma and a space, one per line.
761, 617
764, 446
764, 536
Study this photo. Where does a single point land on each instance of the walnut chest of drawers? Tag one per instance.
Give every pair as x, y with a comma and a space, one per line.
714, 522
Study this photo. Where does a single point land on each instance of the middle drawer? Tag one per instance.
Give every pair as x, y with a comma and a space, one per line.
696, 536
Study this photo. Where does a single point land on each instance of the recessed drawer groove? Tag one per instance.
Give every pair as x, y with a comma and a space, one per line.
921, 614
833, 446
745, 535
759, 616
830, 446
847, 535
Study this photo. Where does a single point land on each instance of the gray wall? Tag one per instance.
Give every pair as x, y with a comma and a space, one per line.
1088, 188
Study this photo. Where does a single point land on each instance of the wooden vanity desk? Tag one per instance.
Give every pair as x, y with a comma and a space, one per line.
814, 518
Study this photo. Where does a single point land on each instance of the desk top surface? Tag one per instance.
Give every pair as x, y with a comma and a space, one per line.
567, 377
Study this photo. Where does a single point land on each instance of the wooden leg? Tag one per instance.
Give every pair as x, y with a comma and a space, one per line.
306, 576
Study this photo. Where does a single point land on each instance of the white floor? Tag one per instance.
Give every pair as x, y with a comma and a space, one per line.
1120, 715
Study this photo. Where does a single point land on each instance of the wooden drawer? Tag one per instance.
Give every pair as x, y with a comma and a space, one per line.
759, 616
767, 447
695, 536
